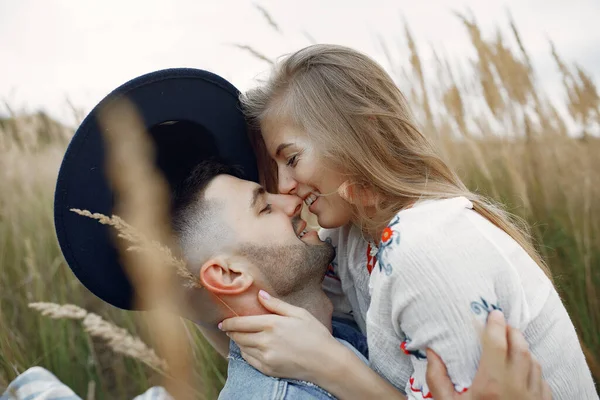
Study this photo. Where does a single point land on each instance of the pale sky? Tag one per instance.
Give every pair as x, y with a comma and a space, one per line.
51, 50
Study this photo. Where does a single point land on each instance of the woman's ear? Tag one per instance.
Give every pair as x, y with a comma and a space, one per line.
220, 276
355, 194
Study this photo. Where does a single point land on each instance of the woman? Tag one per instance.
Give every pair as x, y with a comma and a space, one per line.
421, 259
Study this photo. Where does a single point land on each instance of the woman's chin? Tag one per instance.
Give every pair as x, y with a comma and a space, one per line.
331, 222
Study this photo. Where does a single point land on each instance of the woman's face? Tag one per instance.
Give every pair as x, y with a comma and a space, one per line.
301, 171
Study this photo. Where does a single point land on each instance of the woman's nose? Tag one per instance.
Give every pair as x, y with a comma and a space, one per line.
286, 184
291, 205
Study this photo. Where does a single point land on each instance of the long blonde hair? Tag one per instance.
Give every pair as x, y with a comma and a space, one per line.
360, 121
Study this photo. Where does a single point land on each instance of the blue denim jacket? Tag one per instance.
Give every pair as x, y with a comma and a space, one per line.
246, 382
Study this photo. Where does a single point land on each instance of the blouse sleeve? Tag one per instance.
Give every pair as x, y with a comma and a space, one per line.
437, 280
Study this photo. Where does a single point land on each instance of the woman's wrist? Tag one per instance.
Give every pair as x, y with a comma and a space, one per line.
324, 364
338, 368
330, 367
342, 373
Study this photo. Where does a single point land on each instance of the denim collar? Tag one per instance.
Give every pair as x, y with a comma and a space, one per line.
234, 350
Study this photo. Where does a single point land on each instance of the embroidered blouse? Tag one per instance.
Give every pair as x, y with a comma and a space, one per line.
440, 268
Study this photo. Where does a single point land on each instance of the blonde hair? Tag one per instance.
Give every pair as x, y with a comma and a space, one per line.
360, 121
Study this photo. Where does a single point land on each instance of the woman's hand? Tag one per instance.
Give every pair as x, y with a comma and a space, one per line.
290, 343
507, 371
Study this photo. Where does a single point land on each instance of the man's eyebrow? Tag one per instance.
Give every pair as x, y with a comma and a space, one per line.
282, 147
258, 191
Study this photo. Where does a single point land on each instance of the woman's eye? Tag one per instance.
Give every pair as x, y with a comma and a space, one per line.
267, 209
292, 161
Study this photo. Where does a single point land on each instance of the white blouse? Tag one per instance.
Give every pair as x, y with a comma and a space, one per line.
439, 270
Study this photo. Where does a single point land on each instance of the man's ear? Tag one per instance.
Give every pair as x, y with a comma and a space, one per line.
221, 276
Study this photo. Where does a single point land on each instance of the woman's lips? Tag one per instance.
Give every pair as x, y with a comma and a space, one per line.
311, 198
311, 207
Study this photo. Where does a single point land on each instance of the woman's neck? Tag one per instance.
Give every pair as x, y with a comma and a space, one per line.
372, 229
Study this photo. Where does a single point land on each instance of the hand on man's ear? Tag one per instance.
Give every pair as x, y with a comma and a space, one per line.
221, 276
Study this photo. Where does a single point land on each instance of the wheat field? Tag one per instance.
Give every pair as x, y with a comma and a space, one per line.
493, 121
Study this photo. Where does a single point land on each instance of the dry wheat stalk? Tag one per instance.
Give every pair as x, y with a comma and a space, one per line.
267, 16
58, 311
253, 52
134, 178
491, 92
140, 244
415, 62
91, 390
118, 339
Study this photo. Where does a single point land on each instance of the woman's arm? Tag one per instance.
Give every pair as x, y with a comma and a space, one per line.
506, 371
291, 343
348, 377
437, 279
294, 344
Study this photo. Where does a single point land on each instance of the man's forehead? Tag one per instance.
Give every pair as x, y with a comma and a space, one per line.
227, 187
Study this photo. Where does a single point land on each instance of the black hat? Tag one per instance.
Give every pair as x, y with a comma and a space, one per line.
191, 115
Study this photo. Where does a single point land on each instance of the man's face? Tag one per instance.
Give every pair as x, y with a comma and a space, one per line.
269, 232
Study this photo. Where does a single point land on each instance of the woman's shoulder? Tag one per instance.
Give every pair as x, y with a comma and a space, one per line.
442, 233
448, 237
433, 218
436, 207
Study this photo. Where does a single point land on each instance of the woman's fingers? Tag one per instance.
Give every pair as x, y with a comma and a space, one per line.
546, 392
278, 306
257, 358
519, 356
258, 323
253, 323
535, 383
437, 377
251, 359
494, 343
245, 339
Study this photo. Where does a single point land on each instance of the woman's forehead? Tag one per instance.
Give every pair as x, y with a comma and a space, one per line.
278, 133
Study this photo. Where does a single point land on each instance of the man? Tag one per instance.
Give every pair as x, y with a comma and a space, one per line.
237, 238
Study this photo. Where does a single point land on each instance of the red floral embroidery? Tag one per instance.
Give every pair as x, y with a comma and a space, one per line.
371, 260
418, 354
331, 272
403, 347
387, 234
416, 390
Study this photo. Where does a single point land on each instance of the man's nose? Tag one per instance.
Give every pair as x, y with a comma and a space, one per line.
286, 183
291, 205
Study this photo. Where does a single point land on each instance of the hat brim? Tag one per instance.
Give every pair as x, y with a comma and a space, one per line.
199, 98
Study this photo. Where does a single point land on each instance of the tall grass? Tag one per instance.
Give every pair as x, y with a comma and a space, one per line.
508, 140
32, 269
492, 119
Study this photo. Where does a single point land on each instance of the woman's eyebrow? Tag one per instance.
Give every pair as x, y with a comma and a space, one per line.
282, 147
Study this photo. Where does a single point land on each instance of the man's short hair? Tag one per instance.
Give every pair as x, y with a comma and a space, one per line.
191, 215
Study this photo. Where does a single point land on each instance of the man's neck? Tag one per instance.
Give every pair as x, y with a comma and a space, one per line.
315, 301
208, 309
